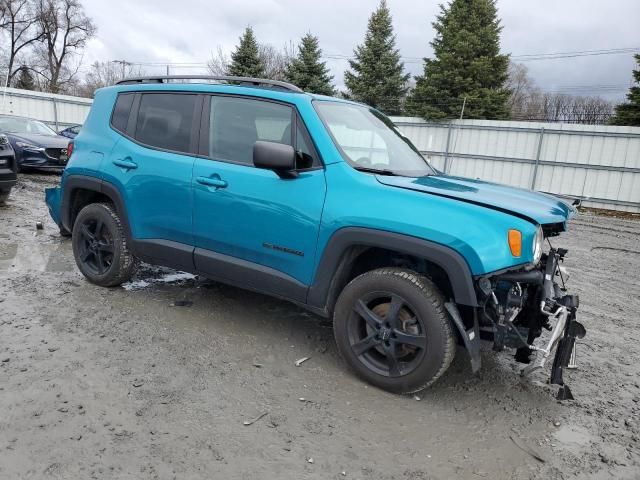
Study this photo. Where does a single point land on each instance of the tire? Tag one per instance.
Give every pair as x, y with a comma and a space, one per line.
4, 196
100, 246
403, 352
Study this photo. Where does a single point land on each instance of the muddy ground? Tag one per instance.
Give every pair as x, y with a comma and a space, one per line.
117, 383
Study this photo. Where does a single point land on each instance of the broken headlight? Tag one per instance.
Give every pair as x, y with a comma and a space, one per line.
538, 241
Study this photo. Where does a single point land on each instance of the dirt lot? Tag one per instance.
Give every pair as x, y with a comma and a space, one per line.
117, 383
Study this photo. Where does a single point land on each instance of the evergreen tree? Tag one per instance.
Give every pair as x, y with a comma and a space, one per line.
307, 71
25, 79
378, 77
245, 60
629, 113
467, 64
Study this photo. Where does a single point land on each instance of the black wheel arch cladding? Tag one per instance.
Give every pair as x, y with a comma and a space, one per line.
74, 183
333, 258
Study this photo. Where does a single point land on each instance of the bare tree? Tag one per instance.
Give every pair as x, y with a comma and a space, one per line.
19, 24
520, 85
65, 31
103, 74
218, 64
275, 61
528, 102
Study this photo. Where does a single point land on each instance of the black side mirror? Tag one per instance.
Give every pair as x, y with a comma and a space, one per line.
274, 156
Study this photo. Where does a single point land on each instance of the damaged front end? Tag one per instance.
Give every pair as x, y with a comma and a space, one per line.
515, 306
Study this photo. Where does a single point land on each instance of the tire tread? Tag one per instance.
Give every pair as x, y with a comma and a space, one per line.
127, 262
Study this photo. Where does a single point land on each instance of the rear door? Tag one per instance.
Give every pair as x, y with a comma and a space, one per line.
151, 165
252, 227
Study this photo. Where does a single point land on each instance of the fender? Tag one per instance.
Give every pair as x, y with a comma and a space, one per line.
75, 182
334, 260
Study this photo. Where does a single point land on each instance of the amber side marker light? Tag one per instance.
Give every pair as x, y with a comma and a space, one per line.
515, 242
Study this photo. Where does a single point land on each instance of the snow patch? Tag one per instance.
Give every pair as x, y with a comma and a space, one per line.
169, 277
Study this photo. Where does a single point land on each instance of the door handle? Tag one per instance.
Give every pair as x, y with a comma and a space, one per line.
214, 181
125, 163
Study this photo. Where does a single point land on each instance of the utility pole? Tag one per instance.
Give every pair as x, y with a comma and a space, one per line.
4, 90
464, 103
124, 64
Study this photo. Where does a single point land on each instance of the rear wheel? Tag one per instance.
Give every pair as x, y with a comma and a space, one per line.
100, 246
4, 196
392, 329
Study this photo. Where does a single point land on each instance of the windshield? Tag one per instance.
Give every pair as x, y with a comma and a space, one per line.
370, 141
24, 125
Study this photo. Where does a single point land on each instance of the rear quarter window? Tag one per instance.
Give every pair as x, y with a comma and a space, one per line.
120, 115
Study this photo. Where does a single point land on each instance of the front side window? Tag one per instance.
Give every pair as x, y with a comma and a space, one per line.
165, 121
370, 141
306, 157
235, 124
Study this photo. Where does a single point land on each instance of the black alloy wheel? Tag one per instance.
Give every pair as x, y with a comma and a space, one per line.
386, 335
96, 246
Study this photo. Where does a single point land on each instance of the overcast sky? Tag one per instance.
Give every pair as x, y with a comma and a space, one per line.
188, 30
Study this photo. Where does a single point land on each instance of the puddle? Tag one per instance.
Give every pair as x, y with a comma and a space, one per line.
574, 438
39, 257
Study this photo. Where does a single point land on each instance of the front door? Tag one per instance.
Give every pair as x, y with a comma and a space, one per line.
250, 226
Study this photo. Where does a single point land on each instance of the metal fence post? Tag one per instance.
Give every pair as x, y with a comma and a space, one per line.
446, 151
55, 113
535, 167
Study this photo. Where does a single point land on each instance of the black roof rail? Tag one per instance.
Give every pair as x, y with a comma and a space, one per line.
229, 79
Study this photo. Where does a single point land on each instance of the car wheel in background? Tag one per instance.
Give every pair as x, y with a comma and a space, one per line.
100, 246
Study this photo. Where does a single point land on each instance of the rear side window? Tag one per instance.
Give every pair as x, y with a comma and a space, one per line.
121, 112
165, 121
235, 124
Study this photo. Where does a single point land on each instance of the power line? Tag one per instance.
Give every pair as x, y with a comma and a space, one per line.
340, 56
523, 57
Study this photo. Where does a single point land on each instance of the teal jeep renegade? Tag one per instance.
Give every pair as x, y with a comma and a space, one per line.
322, 202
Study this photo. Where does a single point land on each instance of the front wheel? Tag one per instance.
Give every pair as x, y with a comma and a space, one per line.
100, 246
4, 196
392, 329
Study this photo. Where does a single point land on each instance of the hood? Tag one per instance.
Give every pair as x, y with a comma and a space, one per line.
537, 207
45, 141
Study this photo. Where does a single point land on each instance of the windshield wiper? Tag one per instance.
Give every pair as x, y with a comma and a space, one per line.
379, 171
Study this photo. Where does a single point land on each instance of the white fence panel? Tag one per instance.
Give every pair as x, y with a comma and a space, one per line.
57, 111
597, 164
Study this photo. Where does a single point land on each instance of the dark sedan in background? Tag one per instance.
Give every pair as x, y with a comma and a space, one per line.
7, 168
35, 144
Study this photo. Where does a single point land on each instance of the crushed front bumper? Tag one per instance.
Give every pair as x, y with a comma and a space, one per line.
516, 306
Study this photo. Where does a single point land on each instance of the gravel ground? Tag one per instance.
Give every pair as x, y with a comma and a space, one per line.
117, 383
